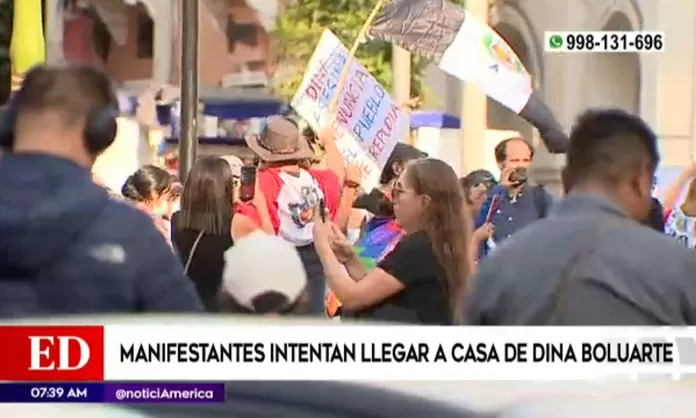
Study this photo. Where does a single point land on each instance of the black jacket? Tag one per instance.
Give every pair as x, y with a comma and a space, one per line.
67, 248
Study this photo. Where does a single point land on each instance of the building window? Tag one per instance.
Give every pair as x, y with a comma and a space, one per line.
246, 33
146, 30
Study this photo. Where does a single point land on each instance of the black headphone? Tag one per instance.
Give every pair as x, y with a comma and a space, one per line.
100, 126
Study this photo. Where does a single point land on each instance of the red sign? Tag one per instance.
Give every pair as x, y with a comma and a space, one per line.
58, 353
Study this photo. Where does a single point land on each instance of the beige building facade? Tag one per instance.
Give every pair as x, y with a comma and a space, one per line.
658, 86
139, 41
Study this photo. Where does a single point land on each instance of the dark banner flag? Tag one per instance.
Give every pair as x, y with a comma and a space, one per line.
471, 51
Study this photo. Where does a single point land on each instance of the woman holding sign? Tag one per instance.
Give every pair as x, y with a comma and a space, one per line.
423, 279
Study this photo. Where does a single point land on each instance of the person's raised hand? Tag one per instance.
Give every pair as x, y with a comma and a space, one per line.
505, 177
326, 134
342, 247
322, 231
483, 232
353, 174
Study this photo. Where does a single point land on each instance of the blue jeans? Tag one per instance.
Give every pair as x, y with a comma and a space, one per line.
316, 283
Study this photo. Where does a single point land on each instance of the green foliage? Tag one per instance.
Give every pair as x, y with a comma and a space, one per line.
299, 28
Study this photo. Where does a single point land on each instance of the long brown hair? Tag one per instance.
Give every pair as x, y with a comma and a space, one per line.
448, 224
206, 201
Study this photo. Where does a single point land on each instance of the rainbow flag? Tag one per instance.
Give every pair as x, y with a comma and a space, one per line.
28, 47
381, 236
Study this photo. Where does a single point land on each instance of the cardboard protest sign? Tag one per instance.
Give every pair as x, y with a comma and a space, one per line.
368, 124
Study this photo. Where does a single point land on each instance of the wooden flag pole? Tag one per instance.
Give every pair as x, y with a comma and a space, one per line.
351, 55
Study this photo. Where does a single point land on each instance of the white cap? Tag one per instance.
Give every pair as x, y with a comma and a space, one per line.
261, 263
235, 164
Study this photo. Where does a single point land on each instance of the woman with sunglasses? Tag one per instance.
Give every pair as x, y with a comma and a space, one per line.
379, 233
423, 279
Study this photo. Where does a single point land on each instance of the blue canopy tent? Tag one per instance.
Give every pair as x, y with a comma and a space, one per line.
430, 119
250, 103
225, 104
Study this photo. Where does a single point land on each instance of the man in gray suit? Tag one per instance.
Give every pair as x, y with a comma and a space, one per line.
590, 262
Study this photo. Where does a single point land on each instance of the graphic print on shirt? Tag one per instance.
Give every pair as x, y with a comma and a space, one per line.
297, 199
302, 213
681, 227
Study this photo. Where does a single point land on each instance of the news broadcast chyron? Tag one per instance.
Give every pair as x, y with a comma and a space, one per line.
216, 353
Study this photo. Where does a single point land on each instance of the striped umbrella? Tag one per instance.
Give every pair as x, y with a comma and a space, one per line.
28, 47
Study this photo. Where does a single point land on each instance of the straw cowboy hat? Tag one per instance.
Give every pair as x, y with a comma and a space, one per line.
280, 140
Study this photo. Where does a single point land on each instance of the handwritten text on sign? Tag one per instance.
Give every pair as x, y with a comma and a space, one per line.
367, 124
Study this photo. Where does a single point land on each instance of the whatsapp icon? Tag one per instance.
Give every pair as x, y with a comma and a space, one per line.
555, 42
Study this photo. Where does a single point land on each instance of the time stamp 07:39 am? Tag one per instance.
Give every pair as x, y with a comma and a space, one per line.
641, 42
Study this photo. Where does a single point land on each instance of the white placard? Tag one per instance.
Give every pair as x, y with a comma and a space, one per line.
368, 124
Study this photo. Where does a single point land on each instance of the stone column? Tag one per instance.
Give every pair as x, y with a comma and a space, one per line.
473, 110
668, 81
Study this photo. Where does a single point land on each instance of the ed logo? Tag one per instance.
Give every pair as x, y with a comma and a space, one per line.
62, 353
45, 350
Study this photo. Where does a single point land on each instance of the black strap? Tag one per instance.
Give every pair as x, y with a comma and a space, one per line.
540, 202
192, 251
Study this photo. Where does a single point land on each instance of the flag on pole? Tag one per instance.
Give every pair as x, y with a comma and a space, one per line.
27, 48
471, 51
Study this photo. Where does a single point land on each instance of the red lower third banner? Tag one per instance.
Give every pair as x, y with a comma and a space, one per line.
51, 353
112, 392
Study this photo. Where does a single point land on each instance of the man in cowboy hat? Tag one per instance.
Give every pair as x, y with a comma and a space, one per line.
292, 193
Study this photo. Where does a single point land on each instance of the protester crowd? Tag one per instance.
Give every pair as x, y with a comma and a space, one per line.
292, 232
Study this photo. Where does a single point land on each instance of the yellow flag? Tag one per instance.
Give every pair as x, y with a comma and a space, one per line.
28, 47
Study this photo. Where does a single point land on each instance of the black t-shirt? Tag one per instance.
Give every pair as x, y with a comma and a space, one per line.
423, 300
207, 262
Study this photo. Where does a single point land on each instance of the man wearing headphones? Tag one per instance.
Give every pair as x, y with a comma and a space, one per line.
65, 246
